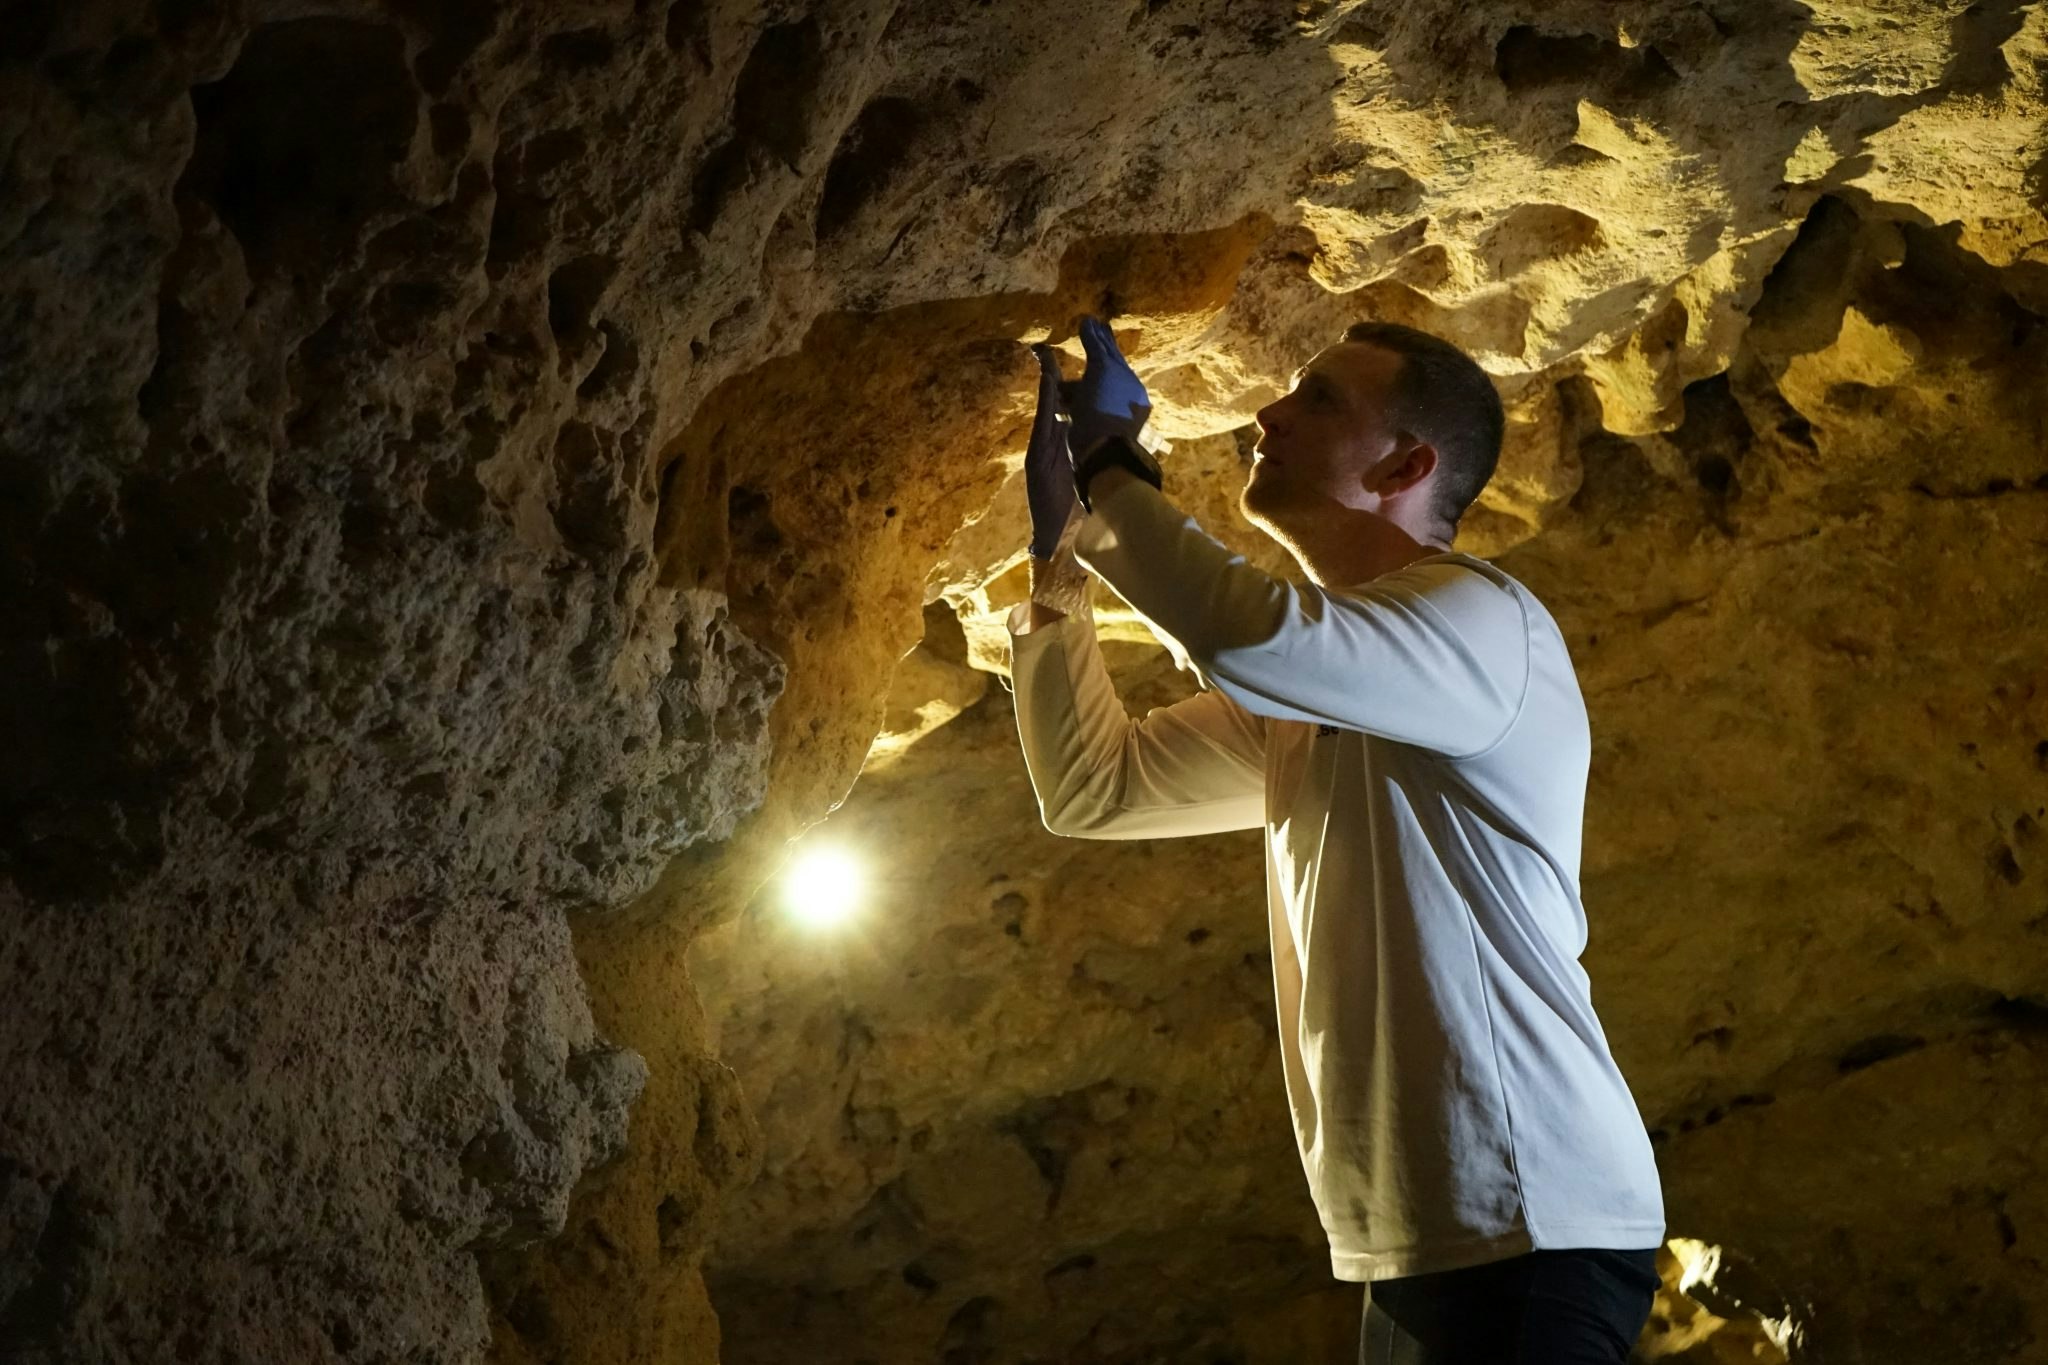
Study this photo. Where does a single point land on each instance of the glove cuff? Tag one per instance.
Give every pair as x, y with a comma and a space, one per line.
1118, 451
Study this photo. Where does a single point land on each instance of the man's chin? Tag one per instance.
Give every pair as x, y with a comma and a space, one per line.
1259, 502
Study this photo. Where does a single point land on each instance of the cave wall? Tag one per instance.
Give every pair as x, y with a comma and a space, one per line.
469, 471
337, 674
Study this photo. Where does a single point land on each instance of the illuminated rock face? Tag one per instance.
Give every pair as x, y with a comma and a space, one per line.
469, 470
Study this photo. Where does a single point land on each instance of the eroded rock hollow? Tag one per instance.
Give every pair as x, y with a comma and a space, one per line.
477, 480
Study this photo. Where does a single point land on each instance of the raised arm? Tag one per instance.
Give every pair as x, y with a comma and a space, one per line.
1435, 655
1196, 767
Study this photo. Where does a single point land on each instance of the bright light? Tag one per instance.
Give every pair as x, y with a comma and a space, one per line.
1699, 1262
822, 885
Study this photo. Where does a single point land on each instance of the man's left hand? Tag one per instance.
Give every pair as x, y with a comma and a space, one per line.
1108, 399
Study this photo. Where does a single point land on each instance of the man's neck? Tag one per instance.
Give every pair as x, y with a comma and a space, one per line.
1341, 546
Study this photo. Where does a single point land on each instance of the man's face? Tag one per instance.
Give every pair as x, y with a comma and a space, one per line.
1322, 442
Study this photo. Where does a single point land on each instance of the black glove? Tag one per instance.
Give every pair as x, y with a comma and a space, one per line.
1048, 467
1117, 451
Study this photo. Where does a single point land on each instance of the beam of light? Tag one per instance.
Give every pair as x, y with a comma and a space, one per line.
823, 885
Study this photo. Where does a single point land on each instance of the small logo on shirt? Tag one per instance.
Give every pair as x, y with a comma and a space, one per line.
1325, 731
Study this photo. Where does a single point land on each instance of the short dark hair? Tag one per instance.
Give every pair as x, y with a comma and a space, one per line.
1440, 395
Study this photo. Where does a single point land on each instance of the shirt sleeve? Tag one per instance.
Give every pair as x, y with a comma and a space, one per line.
1196, 767
1436, 654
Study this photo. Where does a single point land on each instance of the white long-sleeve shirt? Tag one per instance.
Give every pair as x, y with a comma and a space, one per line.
1416, 750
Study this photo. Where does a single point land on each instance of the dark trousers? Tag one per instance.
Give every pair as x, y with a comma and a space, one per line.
1542, 1308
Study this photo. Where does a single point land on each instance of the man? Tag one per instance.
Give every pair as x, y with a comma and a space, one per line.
1408, 731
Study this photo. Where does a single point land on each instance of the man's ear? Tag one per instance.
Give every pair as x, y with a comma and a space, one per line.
1408, 464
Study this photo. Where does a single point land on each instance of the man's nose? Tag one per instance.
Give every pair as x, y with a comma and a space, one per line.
1267, 417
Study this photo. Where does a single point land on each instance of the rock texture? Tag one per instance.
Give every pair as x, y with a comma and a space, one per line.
469, 471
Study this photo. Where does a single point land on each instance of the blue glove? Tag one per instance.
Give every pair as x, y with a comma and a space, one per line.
1048, 468
1108, 399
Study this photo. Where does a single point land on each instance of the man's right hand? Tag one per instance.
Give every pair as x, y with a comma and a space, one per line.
1048, 467
1059, 585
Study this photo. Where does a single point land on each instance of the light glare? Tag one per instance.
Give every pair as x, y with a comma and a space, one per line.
822, 886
